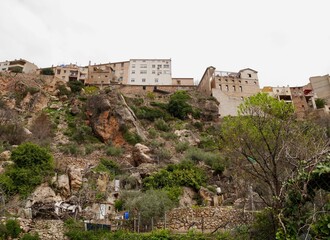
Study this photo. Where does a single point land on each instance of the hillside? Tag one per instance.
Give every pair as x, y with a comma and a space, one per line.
110, 153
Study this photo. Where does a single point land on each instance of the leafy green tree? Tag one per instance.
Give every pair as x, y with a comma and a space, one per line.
271, 148
178, 105
32, 165
75, 86
47, 71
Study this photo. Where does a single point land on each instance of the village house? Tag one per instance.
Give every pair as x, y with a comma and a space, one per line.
22, 64
229, 88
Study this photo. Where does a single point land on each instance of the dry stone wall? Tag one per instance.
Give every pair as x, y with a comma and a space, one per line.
205, 219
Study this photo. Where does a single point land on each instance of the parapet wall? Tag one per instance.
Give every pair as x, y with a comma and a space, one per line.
205, 219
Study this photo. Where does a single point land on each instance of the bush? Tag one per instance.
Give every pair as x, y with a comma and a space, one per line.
13, 228
132, 138
178, 106
160, 124
112, 166
32, 165
152, 133
180, 147
47, 71
114, 151
29, 236
163, 154
149, 113
90, 90
75, 86
119, 205
182, 174
62, 90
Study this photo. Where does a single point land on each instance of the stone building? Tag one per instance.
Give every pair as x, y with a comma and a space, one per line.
321, 87
229, 88
24, 65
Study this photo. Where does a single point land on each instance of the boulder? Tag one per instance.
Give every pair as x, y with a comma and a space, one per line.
5, 155
42, 194
187, 136
146, 169
75, 176
63, 185
140, 155
187, 198
206, 195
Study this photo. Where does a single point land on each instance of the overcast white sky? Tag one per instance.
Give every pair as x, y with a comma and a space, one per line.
286, 41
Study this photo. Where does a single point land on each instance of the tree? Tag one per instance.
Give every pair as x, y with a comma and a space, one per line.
271, 147
178, 106
47, 71
75, 86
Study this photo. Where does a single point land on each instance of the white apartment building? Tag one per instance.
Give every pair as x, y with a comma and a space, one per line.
150, 72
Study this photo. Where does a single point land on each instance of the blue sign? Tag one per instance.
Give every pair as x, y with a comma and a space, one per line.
126, 215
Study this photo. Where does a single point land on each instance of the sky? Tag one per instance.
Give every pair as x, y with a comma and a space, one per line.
286, 41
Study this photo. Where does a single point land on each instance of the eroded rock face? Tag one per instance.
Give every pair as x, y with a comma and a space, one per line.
187, 136
75, 176
63, 185
5, 156
42, 194
140, 154
206, 195
102, 182
187, 198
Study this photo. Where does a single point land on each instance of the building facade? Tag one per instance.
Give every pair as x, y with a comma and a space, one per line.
22, 64
321, 87
229, 88
182, 81
150, 72
71, 72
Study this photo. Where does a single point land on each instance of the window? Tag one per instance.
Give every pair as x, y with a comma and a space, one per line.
58, 71
153, 72
92, 76
240, 88
153, 66
246, 82
156, 80
132, 80
255, 82
143, 66
159, 72
220, 87
133, 65
144, 87
143, 80
234, 88
63, 77
178, 82
166, 66
143, 72
159, 66
249, 75
167, 72
133, 71
106, 76
64, 71
227, 88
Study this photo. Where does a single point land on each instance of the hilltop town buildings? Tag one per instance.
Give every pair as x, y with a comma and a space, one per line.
229, 88
22, 64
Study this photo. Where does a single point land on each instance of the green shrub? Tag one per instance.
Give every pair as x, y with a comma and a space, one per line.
112, 166
13, 228
178, 105
90, 90
29, 236
182, 174
264, 225
32, 165
47, 71
180, 147
132, 138
114, 151
169, 136
75, 86
62, 90
163, 154
152, 133
160, 124
119, 205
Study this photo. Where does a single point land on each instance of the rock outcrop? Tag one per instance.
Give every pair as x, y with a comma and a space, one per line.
140, 155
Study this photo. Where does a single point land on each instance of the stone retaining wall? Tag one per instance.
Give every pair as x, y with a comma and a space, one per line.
205, 219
